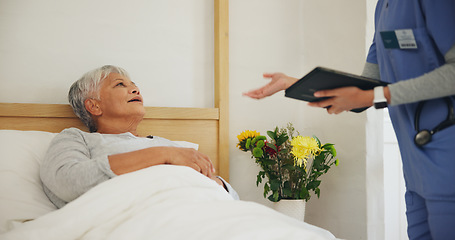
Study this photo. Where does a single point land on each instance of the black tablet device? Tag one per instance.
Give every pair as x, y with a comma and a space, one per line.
322, 78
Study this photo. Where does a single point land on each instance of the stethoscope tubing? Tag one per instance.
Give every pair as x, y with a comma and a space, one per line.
424, 136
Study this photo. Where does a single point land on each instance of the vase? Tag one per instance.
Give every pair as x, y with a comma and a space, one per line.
291, 207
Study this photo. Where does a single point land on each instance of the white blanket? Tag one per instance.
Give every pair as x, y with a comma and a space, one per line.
163, 202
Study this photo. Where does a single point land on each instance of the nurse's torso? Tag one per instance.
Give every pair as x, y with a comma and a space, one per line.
428, 170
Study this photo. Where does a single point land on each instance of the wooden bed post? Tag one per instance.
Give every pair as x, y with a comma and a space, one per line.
221, 20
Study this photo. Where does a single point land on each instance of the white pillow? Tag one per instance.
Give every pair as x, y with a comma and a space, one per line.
21, 191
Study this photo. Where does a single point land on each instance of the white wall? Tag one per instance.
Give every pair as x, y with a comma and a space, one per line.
167, 46
394, 185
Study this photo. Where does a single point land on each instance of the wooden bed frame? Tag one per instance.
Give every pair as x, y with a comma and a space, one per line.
208, 127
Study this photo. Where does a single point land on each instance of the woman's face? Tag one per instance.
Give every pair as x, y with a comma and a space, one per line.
120, 97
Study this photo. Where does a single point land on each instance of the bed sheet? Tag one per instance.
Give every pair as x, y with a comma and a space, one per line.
164, 202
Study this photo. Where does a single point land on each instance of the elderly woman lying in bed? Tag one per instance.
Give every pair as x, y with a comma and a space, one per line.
111, 106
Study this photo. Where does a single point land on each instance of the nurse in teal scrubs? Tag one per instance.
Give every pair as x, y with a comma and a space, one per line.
414, 51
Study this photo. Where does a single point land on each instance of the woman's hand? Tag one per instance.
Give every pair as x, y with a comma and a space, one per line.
132, 161
217, 180
343, 99
279, 81
191, 158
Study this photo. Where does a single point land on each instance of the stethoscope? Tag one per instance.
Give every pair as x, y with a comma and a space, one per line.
424, 136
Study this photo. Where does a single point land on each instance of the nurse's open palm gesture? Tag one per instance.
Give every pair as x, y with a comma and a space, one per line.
279, 81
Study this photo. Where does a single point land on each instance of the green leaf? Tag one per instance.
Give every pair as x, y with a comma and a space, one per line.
288, 166
317, 140
327, 145
313, 184
320, 157
284, 151
266, 189
318, 160
318, 192
271, 134
331, 149
282, 139
304, 194
275, 184
272, 146
276, 196
259, 177
268, 162
287, 193
272, 198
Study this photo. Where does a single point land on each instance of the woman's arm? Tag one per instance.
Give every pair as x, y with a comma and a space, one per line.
132, 161
69, 170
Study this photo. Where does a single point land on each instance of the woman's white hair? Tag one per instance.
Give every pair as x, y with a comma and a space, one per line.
88, 87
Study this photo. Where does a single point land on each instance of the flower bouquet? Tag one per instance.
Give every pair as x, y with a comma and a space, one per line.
291, 164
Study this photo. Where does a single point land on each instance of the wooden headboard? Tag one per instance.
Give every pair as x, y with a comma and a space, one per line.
208, 127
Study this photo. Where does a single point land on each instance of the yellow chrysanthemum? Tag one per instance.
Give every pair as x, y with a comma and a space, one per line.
243, 136
303, 148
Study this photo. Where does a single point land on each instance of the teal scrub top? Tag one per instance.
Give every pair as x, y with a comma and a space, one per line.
428, 170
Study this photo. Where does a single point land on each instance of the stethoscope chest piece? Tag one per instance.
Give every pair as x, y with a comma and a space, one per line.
422, 137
